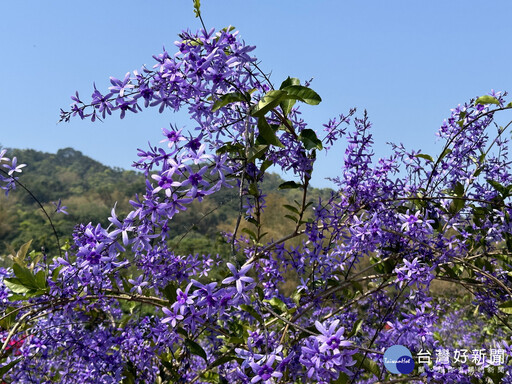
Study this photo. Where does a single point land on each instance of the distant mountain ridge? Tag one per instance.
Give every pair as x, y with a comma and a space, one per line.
90, 189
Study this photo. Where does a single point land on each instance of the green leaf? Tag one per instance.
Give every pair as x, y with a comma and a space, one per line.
310, 140
497, 186
487, 99
290, 185
128, 378
22, 253
343, 378
506, 307
211, 377
355, 328
251, 234
6, 368
368, 364
458, 189
256, 152
231, 148
24, 276
251, 311
8, 320
425, 156
16, 286
292, 218
495, 375
451, 273
222, 360
287, 105
444, 153
55, 273
456, 205
170, 292
289, 82
228, 98
260, 292
291, 208
195, 348
305, 94
267, 133
265, 165
277, 303
268, 102
228, 29
253, 189
41, 280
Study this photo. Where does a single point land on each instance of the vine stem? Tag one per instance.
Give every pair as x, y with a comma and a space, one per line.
40, 206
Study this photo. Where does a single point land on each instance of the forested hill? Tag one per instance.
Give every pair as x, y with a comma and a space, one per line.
90, 189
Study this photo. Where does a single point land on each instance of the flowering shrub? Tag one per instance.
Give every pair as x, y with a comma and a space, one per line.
119, 305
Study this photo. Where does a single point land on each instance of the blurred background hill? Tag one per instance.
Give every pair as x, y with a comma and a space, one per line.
90, 189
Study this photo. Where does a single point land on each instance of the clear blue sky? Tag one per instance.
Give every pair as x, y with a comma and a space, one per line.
407, 62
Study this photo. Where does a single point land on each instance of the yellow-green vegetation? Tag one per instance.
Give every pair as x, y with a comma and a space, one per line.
90, 189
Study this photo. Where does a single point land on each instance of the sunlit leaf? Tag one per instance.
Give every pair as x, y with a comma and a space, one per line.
305, 94
487, 99
268, 102
425, 156
310, 140
287, 105
228, 98
267, 133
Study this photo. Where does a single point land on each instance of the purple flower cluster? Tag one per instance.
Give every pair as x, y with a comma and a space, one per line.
8, 167
121, 305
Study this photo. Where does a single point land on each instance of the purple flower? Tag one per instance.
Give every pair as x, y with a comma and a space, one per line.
264, 371
102, 102
60, 208
119, 86
138, 284
173, 137
195, 180
14, 167
172, 316
238, 277
330, 339
2, 154
183, 299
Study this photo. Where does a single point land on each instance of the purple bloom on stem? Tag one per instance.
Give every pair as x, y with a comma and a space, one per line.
2, 153
264, 371
183, 299
121, 86
138, 284
331, 339
238, 277
14, 167
172, 137
172, 317
126, 105
101, 102
194, 144
59, 208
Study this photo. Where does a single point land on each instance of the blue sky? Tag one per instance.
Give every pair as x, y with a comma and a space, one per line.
406, 62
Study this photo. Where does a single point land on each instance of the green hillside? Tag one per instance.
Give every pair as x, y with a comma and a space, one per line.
90, 189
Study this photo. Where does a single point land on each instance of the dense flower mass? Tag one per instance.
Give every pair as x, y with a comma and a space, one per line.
120, 305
